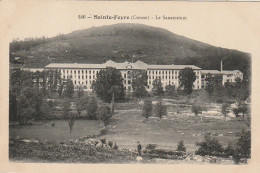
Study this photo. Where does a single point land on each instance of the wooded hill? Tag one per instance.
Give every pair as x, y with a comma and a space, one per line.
122, 42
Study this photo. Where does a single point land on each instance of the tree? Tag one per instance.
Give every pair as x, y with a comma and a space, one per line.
139, 83
69, 89
157, 87
113, 90
181, 146
244, 143
81, 104
147, 109
104, 114
160, 109
92, 107
225, 109
170, 90
80, 92
106, 79
209, 84
66, 107
60, 89
71, 122
196, 109
187, 76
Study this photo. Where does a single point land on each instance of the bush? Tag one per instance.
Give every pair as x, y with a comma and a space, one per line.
110, 143
160, 109
151, 146
181, 146
244, 144
196, 109
210, 146
115, 147
147, 109
104, 114
103, 141
92, 107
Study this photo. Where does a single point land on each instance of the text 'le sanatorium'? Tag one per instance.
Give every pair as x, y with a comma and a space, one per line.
132, 17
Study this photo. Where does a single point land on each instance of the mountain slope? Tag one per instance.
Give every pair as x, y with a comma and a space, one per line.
121, 42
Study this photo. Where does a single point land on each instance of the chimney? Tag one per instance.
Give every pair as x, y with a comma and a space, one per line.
221, 66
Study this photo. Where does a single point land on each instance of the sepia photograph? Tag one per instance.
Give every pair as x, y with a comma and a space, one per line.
117, 88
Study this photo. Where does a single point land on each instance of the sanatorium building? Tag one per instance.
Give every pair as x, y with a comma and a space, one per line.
83, 75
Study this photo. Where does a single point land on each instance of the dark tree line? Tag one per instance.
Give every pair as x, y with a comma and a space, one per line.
29, 91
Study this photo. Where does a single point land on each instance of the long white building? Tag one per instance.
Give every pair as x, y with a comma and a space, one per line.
83, 75
227, 76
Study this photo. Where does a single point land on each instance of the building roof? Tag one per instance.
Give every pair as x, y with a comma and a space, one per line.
220, 72
125, 65
75, 65
210, 71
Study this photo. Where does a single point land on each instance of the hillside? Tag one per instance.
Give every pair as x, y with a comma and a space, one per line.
120, 42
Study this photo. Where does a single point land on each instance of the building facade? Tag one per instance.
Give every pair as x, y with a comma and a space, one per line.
83, 75
227, 76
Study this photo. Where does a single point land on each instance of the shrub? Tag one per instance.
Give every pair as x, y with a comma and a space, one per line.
92, 107
103, 131
225, 109
104, 114
160, 110
181, 146
169, 90
244, 144
110, 143
196, 109
151, 146
210, 146
115, 147
147, 109
103, 141
236, 111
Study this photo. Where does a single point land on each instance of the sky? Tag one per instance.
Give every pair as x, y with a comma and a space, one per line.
225, 25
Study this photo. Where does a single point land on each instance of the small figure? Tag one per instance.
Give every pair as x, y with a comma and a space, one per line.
139, 148
52, 124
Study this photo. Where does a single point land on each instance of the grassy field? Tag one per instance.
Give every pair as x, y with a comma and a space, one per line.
127, 127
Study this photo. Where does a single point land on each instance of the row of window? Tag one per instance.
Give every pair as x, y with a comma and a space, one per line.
162, 77
79, 71
80, 77
162, 72
166, 72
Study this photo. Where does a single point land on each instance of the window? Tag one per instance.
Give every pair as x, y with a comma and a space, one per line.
79, 76
86, 76
89, 77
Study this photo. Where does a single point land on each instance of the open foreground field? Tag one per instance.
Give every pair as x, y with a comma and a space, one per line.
127, 127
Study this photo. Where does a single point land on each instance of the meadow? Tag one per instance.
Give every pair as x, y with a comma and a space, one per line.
127, 126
